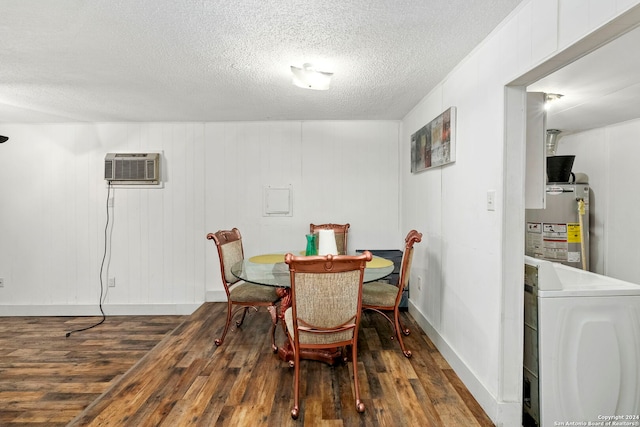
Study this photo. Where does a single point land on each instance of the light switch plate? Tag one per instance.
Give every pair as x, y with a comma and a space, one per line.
491, 200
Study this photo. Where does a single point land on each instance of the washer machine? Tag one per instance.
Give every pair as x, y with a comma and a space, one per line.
581, 347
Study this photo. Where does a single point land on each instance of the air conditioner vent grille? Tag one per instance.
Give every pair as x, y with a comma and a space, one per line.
108, 170
132, 168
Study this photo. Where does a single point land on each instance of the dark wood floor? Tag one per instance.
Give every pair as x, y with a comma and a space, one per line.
166, 370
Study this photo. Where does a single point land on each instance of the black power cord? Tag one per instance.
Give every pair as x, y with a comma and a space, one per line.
104, 257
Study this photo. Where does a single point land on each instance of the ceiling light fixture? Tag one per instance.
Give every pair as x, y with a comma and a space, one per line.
308, 77
549, 98
552, 97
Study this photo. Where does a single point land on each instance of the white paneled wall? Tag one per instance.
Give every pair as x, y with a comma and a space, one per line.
55, 210
339, 171
610, 156
54, 206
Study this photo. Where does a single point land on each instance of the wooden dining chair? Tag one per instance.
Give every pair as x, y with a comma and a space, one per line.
384, 297
325, 311
242, 294
341, 231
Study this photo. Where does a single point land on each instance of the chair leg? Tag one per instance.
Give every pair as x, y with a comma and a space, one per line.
274, 320
292, 345
244, 313
220, 340
354, 358
400, 330
295, 411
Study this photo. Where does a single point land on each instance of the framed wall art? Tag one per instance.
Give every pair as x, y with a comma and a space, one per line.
434, 144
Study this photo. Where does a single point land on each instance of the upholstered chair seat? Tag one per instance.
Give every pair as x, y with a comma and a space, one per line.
380, 294
250, 292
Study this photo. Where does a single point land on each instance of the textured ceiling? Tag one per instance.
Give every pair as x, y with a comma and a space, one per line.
190, 60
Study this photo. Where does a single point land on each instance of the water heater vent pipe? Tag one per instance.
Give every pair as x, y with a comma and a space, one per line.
553, 135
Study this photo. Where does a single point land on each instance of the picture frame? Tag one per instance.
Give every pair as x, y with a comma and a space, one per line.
434, 144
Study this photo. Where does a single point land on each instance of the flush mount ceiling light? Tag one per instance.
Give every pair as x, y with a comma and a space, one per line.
308, 77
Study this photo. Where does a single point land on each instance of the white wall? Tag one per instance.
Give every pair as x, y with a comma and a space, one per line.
609, 156
340, 171
54, 211
470, 264
54, 206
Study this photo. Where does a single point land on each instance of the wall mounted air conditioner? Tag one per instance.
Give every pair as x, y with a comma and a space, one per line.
132, 168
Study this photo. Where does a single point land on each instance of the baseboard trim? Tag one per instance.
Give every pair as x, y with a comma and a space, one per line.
501, 413
215, 296
94, 310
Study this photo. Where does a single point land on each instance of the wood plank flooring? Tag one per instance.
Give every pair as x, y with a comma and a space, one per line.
47, 379
167, 371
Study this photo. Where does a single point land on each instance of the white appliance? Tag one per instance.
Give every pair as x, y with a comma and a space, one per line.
560, 232
582, 347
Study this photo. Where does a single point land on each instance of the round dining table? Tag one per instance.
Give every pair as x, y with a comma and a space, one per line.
271, 270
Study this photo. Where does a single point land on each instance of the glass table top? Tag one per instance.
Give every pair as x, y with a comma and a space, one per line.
269, 270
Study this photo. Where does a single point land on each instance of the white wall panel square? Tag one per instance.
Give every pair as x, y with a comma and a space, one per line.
544, 29
623, 5
578, 17
508, 46
524, 19
573, 21
601, 11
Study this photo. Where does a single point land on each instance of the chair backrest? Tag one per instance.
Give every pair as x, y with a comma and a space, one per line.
326, 298
341, 232
412, 238
230, 251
